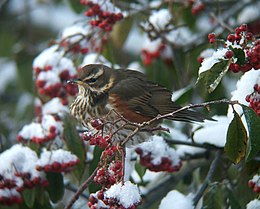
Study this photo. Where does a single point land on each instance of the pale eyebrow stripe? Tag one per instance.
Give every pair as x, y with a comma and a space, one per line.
98, 74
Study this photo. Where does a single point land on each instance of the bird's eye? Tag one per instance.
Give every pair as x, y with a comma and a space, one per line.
92, 80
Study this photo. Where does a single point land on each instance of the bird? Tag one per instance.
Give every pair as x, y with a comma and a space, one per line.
107, 92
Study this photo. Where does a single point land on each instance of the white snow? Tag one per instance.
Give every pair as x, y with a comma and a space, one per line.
21, 159
32, 130
151, 45
75, 32
207, 53
181, 36
245, 86
256, 180
160, 19
49, 121
51, 78
54, 106
176, 200
49, 56
95, 58
158, 149
216, 57
253, 204
59, 155
127, 194
212, 132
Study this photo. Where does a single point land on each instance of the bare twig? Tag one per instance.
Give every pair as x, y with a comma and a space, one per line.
82, 188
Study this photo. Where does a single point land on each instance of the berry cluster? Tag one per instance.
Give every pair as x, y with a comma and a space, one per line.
104, 19
29, 181
254, 99
10, 197
53, 85
124, 196
255, 183
166, 163
197, 7
56, 161
157, 156
19, 173
52, 71
149, 56
243, 49
46, 129
109, 176
98, 140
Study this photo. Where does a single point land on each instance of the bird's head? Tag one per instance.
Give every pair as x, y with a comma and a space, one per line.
96, 78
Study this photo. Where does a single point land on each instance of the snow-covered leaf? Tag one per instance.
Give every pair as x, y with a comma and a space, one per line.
212, 77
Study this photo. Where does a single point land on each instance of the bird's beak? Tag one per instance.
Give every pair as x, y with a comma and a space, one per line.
75, 81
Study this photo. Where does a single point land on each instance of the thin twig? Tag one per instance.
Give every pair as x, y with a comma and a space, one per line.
82, 188
208, 178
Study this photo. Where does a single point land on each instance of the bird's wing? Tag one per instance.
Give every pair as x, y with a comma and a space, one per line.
146, 98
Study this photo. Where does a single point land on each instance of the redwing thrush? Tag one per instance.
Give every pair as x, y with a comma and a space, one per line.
129, 93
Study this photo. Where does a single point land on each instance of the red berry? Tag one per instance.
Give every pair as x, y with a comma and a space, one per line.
211, 36
249, 36
229, 54
231, 38
40, 83
238, 31
212, 40
243, 27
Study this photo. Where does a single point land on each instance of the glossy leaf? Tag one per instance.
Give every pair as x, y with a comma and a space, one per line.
56, 186
75, 145
212, 77
253, 124
239, 54
236, 143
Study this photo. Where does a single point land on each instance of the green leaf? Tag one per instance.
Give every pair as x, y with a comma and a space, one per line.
29, 197
120, 32
140, 170
76, 6
55, 188
212, 77
74, 144
236, 143
92, 166
239, 54
253, 124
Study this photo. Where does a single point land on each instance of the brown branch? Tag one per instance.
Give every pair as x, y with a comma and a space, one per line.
82, 188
